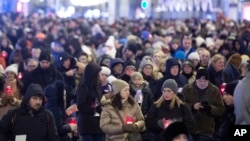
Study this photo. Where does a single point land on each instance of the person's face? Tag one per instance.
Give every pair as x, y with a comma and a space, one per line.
125, 92
83, 59
66, 63
32, 65
202, 84
118, 69
187, 43
181, 137
58, 48
129, 71
147, 45
237, 46
147, 70
104, 77
35, 102
187, 69
10, 75
128, 53
157, 57
162, 67
4, 43
168, 94
205, 56
174, 70
137, 81
35, 53
224, 52
175, 46
219, 65
44, 64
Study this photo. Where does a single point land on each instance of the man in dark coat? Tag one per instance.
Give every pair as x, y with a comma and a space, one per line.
31, 120
44, 74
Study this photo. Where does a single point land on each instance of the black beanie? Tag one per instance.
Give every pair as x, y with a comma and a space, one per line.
174, 130
45, 55
202, 73
132, 47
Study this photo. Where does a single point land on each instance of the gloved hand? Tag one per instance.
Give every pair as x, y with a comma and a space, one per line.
163, 123
4, 101
129, 128
73, 127
206, 106
12, 99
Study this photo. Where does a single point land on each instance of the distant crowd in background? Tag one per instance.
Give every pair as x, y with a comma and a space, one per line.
160, 79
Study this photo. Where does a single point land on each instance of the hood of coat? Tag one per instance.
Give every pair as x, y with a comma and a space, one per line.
170, 63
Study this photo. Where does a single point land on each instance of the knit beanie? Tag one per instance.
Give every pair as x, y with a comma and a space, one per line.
105, 70
189, 63
45, 56
174, 130
235, 59
12, 68
118, 85
171, 84
136, 74
132, 47
202, 73
147, 62
194, 55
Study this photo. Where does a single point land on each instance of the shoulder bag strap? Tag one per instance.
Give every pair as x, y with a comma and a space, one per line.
119, 115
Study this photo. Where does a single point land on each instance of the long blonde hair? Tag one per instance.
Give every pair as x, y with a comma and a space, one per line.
174, 100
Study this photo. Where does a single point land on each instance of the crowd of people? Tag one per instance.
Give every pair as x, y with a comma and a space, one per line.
135, 80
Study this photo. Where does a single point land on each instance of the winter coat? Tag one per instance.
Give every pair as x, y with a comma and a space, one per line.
230, 73
182, 113
5, 107
55, 103
241, 101
88, 94
180, 79
42, 77
147, 97
215, 78
204, 120
111, 124
70, 83
37, 125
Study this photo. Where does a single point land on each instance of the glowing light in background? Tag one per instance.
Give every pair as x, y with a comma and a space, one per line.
246, 11
87, 2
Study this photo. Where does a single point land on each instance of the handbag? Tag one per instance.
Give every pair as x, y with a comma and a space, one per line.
131, 136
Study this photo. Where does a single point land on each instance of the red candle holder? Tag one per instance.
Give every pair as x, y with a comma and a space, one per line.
8, 90
129, 120
72, 121
222, 88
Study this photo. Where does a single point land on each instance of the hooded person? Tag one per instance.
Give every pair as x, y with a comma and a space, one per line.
56, 104
116, 67
173, 69
31, 112
128, 70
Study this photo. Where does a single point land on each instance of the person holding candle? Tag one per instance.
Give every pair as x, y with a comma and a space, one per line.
56, 103
168, 109
122, 115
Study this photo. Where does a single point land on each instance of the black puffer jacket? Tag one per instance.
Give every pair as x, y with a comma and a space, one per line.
37, 125
88, 93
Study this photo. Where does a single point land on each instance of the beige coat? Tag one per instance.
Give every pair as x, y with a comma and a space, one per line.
111, 124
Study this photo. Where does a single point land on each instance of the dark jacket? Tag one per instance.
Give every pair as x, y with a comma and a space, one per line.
42, 77
180, 79
70, 83
89, 93
55, 103
182, 113
204, 120
147, 100
215, 78
37, 125
230, 73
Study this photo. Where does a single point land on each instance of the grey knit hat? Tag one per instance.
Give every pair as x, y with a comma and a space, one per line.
171, 84
118, 85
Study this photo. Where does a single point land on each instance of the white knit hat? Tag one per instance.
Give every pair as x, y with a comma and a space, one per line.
194, 55
105, 70
199, 40
12, 68
210, 42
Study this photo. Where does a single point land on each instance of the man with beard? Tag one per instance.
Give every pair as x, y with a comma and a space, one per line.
30, 122
44, 74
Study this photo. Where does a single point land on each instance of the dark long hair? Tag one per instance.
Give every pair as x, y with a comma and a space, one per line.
117, 101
